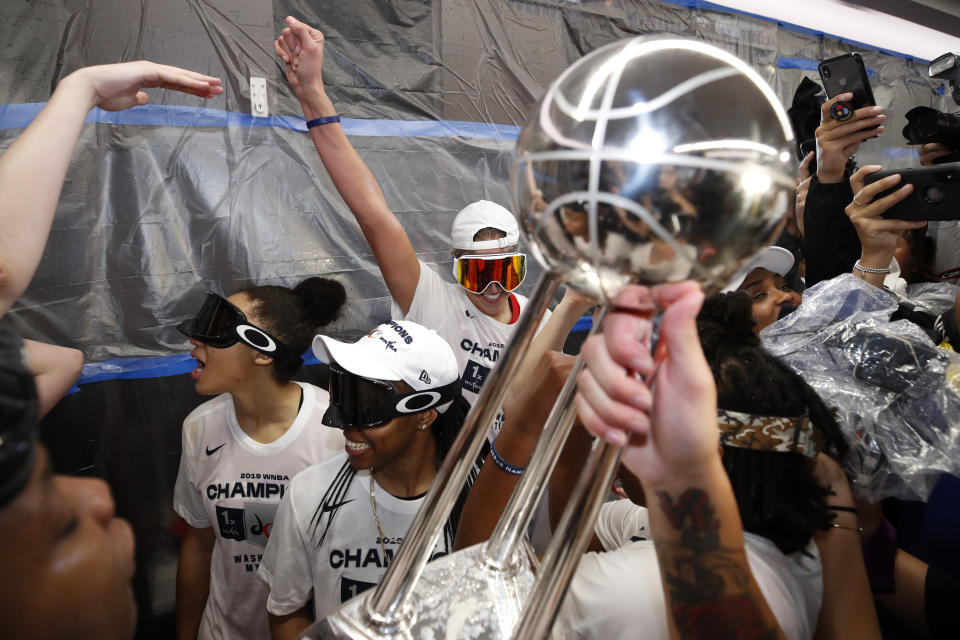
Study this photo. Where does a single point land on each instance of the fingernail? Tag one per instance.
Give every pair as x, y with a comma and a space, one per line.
640, 423
639, 364
616, 438
641, 400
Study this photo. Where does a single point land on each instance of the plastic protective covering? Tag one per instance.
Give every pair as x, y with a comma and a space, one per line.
896, 395
164, 202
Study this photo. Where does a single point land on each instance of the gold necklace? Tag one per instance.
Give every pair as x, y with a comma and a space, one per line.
373, 503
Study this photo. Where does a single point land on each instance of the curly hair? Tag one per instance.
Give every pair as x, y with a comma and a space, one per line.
776, 493
294, 315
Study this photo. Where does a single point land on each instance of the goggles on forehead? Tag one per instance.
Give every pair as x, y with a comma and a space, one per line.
361, 402
220, 324
476, 272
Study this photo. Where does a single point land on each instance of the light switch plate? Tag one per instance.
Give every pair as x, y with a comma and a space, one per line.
259, 107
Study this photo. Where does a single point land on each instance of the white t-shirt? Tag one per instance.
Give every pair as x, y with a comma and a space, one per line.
325, 542
234, 484
477, 339
617, 592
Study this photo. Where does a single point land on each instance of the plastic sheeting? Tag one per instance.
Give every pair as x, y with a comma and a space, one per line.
896, 395
153, 215
164, 202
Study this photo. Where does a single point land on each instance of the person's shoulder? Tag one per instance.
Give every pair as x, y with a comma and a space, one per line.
211, 412
319, 474
317, 396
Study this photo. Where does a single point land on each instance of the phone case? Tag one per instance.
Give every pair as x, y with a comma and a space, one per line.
936, 192
847, 73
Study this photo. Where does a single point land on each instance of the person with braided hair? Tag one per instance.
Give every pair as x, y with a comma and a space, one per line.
396, 395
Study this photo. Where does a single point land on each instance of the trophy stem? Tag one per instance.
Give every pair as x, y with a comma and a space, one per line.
569, 542
498, 552
387, 603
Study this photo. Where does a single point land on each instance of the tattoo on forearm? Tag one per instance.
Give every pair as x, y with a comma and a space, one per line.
708, 587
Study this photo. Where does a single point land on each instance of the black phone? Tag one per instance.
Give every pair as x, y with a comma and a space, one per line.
847, 74
936, 192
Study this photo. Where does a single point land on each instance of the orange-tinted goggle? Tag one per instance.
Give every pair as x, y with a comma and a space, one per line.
475, 273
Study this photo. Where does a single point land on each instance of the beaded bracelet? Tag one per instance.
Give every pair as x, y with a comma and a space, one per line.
865, 270
503, 464
316, 122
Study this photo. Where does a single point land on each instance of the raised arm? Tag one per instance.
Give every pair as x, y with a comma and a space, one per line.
301, 49
524, 417
670, 429
33, 168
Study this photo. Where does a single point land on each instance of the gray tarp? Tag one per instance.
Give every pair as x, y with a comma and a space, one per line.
200, 196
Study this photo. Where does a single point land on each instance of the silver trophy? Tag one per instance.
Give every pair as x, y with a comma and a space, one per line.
650, 160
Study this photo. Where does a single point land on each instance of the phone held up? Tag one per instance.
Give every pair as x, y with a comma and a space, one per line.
935, 196
847, 74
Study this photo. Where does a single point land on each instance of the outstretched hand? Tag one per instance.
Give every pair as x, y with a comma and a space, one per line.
119, 86
669, 425
300, 46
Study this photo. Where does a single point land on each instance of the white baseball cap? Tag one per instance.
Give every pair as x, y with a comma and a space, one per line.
776, 259
480, 215
395, 350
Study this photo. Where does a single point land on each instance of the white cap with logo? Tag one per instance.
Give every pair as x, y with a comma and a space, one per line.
480, 215
775, 259
395, 350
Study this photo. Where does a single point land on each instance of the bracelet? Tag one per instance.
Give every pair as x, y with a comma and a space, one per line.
316, 122
857, 530
833, 507
503, 464
864, 270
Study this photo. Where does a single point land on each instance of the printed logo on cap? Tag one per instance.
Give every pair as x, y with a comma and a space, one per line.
424, 377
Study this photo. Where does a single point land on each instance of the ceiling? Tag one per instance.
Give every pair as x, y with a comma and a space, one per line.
941, 15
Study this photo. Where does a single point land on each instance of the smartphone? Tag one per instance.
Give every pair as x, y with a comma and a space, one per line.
847, 74
936, 192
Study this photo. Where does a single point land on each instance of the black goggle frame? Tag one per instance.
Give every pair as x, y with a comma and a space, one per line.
220, 324
358, 402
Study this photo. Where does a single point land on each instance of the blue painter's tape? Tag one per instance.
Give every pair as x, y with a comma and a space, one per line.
18, 116
583, 324
805, 63
154, 367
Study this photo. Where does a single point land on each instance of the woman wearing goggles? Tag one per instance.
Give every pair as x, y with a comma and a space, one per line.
396, 395
241, 448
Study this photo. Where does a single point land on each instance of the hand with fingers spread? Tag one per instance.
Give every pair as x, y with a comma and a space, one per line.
114, 87
300, 46
671, 424
837, 141
878, 235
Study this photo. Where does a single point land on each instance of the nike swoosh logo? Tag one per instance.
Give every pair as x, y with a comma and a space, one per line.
334, 507
210, 451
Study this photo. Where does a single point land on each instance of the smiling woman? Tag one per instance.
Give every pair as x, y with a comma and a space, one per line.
396, 395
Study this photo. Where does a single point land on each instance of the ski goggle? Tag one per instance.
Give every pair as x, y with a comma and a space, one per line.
220, 324
361, 402
476, 272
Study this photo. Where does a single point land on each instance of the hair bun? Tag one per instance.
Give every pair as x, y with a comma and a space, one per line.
322, 298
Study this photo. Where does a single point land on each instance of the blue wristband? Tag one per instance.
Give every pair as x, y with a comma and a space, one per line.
316, 122
503, 464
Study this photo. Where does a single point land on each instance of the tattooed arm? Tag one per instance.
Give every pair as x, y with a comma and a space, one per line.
672, 445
